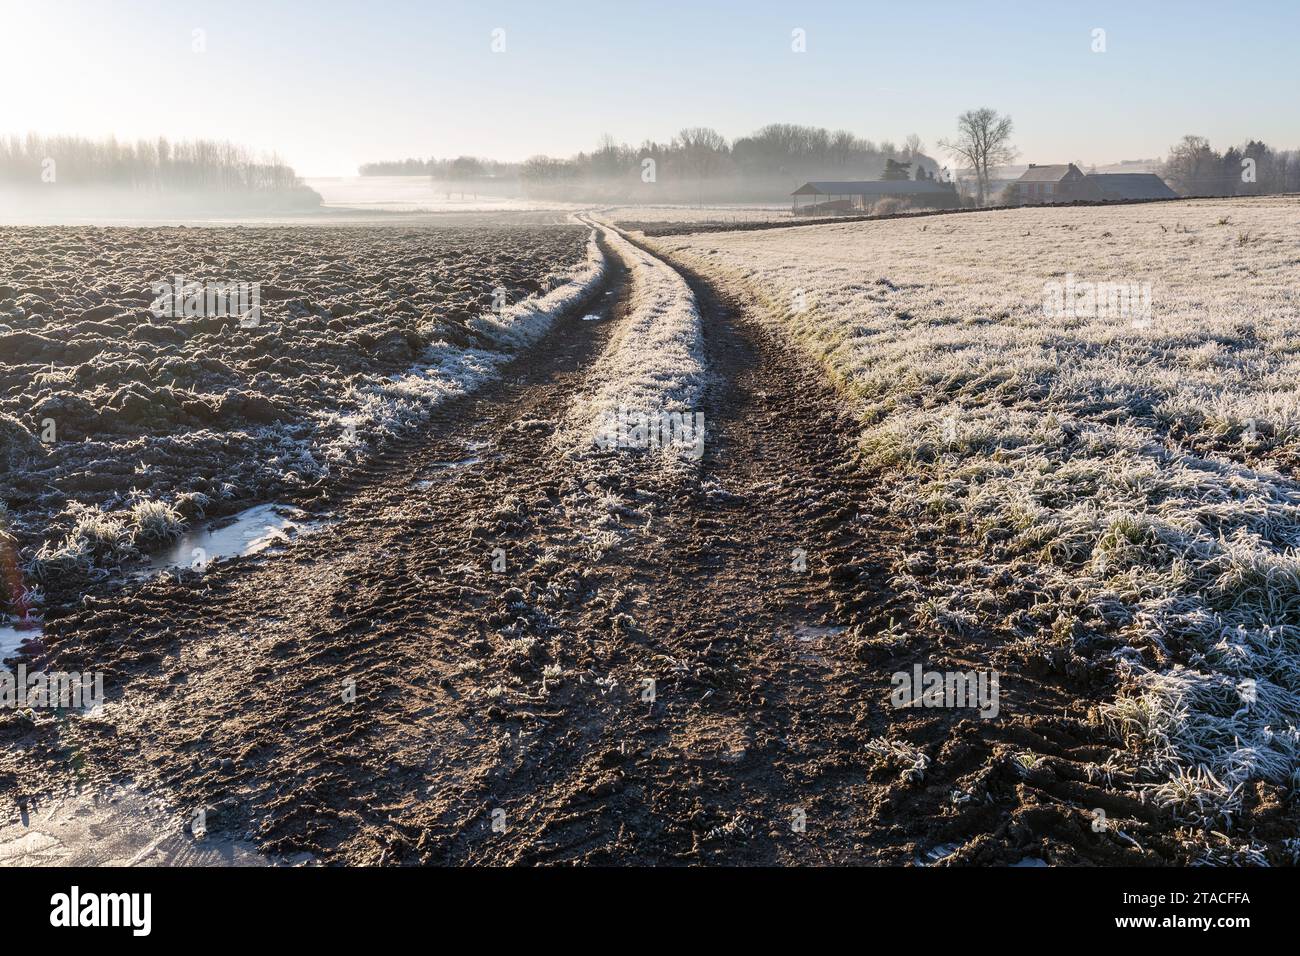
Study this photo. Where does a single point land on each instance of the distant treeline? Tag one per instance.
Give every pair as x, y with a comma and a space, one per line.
194, 166
695, 162
700, 163
1194, 168
443, 170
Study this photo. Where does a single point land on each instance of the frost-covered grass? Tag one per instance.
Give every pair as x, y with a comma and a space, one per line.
654, 363
100, 539
375, 412
154, 522
1137, 477
97, 538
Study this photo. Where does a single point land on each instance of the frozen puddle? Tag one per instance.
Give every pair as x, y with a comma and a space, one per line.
248, 532
12, 637
122, 828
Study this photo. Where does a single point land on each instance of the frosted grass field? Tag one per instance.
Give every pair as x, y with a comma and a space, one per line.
1136, 477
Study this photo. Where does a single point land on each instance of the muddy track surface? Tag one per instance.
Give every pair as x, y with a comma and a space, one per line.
497, 653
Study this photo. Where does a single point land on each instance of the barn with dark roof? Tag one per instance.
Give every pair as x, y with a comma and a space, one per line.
1119, 187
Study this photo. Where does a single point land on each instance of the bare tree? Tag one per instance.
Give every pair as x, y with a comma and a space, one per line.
982, 143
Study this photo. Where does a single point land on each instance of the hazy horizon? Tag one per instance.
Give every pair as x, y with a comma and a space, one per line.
331, 85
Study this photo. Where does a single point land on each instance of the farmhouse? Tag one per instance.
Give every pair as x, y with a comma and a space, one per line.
1059, 183
1116, 187
860, 196
1066, 183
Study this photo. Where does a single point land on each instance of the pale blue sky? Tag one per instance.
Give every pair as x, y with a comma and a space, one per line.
332, 83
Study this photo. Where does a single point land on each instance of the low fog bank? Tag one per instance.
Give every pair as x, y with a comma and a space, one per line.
67, 178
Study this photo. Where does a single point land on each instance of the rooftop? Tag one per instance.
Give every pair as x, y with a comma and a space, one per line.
1133, 185
1046, 174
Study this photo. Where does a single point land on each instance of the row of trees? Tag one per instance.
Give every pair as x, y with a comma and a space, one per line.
897, 171
460, 169
776, 149
1194, 168
697, 160
770, 160
148, 165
